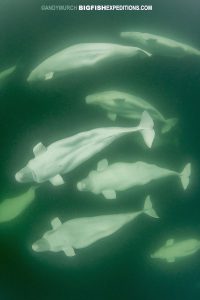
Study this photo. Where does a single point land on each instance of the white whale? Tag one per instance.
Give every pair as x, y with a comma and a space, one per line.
65, 155
160, 45
107, 180
129, 106
82, 232
81, 55
173, 250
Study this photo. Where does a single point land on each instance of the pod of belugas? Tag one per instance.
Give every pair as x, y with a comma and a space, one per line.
108, 180
12, 207
81, 55
173, 250
65, 155
82, 232
5, 74
159, 45
129, 106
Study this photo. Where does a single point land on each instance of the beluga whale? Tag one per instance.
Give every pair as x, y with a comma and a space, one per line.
159, 45
107, 180
173, 250
82, 55
83, 232
117, 103
61, 157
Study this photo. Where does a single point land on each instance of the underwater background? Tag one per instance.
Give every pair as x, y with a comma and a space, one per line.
119, 266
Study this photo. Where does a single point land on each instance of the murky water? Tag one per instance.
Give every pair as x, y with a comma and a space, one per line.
118, 267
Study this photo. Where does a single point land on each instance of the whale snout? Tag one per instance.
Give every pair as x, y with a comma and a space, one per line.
81, 186
41, 245
24, 175
90, 99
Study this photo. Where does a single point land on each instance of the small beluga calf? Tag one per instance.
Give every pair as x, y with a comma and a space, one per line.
173, 250
159, 45
83, 232
129, 106
65, 155
107, 180
82, 55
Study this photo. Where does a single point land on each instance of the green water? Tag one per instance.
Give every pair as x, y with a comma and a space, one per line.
118, 267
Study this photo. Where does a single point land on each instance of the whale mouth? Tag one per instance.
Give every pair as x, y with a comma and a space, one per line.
41, 245
24, 175
90, 99
81, 186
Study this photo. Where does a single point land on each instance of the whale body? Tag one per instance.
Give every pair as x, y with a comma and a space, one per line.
173, 250
65, 155
12, 207
129, 106
81, 55
160, 45
82, 232
107, 180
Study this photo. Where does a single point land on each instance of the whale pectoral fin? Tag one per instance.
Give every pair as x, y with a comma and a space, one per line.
102, 165
171, 260
112, 116
55, 223
69, 251
109, 194
170, 242
49, 75
57, 180
39, 149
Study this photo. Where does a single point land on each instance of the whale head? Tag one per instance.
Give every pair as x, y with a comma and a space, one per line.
83, 185
24, 175
41, 245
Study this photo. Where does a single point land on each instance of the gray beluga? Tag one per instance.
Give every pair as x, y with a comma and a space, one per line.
173, 250
107, 180
81, 55
11, 208
65, 155
82, 232
160, 45
5, 74
129, 106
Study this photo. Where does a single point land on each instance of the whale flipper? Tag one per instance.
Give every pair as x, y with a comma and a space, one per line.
109, 194
57, 180
49, 75
69, 251
55, 223
102, 165
39, 149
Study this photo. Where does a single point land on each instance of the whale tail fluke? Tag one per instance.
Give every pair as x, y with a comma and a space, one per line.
170, 123
148, 208
185, 176
146, 125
